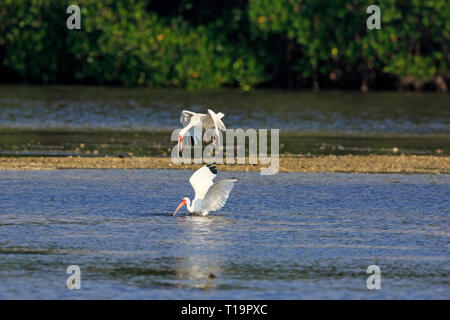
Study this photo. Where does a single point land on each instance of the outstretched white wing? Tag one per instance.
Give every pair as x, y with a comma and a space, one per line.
186, 116
215, 119
202, 180
218, 194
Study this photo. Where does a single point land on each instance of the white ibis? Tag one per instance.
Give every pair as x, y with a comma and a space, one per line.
209, 196
193, 124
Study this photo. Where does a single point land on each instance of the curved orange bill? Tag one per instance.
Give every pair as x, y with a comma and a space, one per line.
183, 202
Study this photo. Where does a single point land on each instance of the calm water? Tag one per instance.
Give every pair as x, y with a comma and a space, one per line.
122, 108
289, 236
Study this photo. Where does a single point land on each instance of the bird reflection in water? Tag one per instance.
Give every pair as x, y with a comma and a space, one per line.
201, 265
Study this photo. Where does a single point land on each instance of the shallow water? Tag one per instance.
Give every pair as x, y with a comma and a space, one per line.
128, 108
288, 236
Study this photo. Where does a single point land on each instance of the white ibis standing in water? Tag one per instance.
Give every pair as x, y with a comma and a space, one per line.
193, 124
209, 196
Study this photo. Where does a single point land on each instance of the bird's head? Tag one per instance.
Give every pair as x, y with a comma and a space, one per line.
182, 203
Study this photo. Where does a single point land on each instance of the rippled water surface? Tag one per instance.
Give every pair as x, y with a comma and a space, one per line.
113, 108
288, 236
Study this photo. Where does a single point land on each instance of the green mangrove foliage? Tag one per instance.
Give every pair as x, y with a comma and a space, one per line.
209, 44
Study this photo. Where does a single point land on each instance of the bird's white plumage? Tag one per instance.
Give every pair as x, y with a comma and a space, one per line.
193, 124
195, 132
208, 196
217, 123
201, 181
218, 194
186, 117
216, 119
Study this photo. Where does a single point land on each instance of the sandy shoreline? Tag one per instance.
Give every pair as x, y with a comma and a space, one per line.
347, 164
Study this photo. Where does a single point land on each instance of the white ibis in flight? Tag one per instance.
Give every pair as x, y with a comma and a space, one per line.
209, 196
193, 124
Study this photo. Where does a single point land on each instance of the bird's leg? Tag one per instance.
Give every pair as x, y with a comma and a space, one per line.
180, 146
214, 137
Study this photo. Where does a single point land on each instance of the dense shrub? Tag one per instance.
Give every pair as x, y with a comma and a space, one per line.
206, 44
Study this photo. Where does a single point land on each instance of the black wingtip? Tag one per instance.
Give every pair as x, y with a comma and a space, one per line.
235, 178
212, 168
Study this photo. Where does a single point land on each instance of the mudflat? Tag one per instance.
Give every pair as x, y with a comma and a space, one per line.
326, 163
